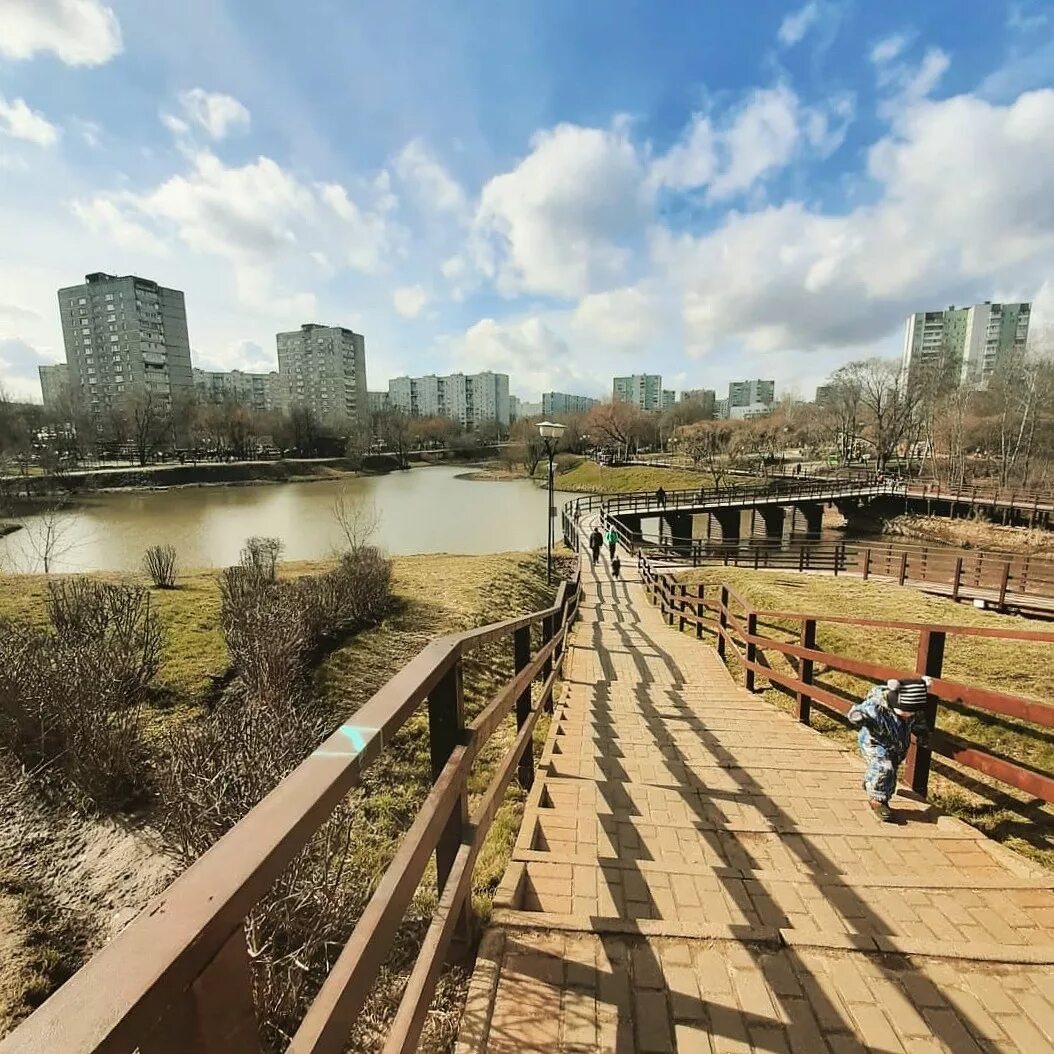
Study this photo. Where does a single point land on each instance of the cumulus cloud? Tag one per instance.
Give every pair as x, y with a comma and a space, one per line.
429, 182
902, 83
216, 113
759, 137
560, 221
79, 32
962, 206
795, 25
409, 301
18, 121
106, 218
887, 49
19, 362
628, 319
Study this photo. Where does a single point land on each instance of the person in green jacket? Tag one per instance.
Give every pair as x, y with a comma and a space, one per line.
611, 537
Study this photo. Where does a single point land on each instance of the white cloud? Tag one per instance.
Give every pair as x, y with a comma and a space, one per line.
410, 300
104, 217
560, 221
431, 184
887, 49
759, 137
216, 113
79, 32
626, 319
367, 240
18, 121
789, 279
903, 84
795, 25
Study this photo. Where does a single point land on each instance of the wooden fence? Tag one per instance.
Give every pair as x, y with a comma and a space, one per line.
177, 979
735, 622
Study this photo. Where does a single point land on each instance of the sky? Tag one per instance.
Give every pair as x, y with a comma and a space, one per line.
706, 189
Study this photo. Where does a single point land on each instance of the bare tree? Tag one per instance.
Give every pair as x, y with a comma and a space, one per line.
708, 444
357, 518
47, 536
148, 421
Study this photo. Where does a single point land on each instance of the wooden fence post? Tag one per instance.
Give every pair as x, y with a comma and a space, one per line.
521, 650
808, 640
684, 605
903, 568
700, 611
752, 649
547, 667
722, 622
957, 581
1003, 582
867, 563
929, 662
446, 730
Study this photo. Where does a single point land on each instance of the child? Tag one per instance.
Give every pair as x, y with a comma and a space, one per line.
616, 567
887, 716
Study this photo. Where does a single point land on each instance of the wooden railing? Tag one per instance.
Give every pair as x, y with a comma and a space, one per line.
735, 622
1004, 579
178, 978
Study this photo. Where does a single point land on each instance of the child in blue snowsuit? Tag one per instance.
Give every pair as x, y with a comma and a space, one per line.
887, 716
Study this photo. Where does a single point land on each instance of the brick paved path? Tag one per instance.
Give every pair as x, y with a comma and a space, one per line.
698, 872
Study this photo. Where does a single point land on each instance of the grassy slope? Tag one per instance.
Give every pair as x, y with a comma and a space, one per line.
600, 479
435, 595
1018, 667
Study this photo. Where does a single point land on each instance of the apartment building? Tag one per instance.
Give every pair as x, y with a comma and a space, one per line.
324, 369
556, 404
54, 385
965, 344
258, 391
643, 390
468, 398
125, 335
705, 397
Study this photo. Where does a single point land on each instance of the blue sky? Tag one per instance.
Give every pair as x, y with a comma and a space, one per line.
562, 191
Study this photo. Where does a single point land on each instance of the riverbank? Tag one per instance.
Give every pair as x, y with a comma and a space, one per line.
972, 534
66, 860
1019, 666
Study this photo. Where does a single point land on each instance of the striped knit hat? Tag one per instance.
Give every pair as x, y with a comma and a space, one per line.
909, 693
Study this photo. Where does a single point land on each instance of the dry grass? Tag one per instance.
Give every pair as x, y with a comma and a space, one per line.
591, 478
973, 533
1021, 668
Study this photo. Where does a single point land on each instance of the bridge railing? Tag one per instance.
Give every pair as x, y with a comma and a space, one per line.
719, 609
178, 977
999, 578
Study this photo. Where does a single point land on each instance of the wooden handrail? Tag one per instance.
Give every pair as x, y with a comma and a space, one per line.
143, 989
739, 630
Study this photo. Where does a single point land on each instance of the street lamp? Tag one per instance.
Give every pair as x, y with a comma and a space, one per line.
550, 432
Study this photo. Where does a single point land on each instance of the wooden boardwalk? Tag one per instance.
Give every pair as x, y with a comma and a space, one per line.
697, 872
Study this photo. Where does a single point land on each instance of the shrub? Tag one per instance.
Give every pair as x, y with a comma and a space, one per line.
159, 561
71, 698
261, 555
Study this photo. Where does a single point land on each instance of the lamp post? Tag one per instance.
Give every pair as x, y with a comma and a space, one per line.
550, 432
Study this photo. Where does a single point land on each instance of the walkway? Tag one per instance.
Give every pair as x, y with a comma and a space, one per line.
697, 872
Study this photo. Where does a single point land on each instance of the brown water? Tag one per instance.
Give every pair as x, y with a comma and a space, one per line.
424, 510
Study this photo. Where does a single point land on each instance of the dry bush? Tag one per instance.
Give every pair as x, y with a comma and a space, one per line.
114, 627
159, 562
261, 555
66, 711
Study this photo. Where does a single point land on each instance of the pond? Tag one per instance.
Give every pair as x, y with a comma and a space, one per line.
423, 510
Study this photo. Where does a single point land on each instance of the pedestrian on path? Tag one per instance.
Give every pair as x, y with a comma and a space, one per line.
616, 567
660, 497
596, 540
611, 537
887, 716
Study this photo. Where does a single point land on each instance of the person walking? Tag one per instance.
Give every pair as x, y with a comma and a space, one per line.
616, 567
660, 497
596, 540
611, 537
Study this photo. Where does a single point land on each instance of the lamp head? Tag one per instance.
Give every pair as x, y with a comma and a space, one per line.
550, 429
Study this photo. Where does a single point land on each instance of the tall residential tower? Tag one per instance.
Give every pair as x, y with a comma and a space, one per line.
323, 368
125, 336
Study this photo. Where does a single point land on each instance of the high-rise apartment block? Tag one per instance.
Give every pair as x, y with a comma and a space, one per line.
556, 404
54, 385
123, 336
468, 398
257, 391
643, 390
669, 398
965, 344
323, 368
378, 402
751, 393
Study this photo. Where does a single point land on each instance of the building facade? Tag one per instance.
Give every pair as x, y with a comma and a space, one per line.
555, 404
378, 402
55, 385
323, 368
669, 398
964, 344
751, 393
123, 336
528, 410
643, 390
468, 398
258, 391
